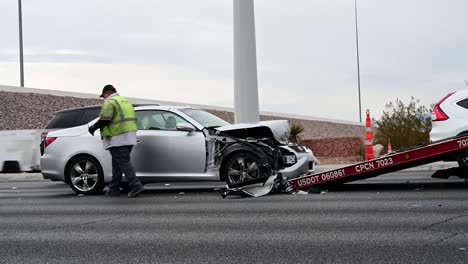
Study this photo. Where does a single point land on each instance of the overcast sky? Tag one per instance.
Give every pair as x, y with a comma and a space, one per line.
182, 50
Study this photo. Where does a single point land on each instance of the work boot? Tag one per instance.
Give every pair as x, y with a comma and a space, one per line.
135, 193
112, 193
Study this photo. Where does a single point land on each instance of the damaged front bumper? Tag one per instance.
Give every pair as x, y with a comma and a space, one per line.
275, 183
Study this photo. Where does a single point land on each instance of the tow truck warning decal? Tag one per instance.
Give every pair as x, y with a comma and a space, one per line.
343, 172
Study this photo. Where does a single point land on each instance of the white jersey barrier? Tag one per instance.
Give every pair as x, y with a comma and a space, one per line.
19, 150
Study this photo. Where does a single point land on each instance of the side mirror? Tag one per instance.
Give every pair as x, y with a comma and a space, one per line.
185, 127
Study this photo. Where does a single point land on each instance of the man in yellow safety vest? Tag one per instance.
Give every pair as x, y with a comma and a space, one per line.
117, 121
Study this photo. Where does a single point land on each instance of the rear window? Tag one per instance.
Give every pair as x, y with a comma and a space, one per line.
89, 115
65, 119
463, 103
73, 118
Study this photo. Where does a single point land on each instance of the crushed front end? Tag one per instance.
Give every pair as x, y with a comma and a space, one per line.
257, 158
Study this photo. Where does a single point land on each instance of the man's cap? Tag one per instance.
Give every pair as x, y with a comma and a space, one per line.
107, 88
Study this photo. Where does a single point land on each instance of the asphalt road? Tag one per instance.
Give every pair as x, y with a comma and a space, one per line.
398, 218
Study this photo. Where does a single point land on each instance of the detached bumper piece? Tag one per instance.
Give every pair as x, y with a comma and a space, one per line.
254, 188
274, 184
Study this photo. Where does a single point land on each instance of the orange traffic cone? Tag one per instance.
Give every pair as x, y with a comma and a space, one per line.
369, 150
389, 147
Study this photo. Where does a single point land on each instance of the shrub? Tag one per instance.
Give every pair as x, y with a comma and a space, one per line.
360, 152
405, 125
296, 129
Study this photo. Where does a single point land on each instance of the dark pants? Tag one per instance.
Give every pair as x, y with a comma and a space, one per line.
121, 164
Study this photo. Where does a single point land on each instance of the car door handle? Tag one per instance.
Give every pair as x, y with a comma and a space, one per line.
138, 141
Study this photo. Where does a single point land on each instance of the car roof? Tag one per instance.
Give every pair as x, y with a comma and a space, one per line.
162, 107
78, 108
97, 106
137, 107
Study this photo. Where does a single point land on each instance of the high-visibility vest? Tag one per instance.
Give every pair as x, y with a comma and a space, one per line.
122, 116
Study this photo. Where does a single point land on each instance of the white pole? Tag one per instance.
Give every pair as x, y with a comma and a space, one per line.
357, 59
20, 22
245, 63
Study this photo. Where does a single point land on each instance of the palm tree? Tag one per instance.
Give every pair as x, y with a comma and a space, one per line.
296, 129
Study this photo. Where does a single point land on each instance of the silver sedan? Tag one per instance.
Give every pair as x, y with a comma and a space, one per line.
178, 144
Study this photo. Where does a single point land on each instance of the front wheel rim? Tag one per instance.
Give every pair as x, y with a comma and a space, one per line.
84, 175
242, 169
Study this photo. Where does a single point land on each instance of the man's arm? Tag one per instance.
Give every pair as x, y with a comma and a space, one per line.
98, 125
105, 117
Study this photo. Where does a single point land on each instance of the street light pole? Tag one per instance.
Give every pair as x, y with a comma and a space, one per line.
246, 107
21, 43
357, 57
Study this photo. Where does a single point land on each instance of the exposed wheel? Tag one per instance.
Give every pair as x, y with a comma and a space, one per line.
85, 176
242, 167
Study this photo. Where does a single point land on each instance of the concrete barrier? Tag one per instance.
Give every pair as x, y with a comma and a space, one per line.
20, 150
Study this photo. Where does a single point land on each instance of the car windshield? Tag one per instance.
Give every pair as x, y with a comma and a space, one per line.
204, 118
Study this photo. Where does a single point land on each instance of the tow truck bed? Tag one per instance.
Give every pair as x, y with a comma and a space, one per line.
450, 149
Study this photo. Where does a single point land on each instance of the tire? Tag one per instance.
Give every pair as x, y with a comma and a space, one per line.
242, 167
84, 175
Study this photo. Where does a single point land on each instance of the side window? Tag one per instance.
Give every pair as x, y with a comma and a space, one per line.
90, 114
157, 120
463, 103
66, 119
171, 120
148, 120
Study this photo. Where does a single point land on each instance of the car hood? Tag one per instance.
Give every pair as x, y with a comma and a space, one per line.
277, 130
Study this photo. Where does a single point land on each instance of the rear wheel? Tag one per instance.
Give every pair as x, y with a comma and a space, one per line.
242, 167
85, 176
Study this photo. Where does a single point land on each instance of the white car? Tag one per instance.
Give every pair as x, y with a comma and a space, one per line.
450, 116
